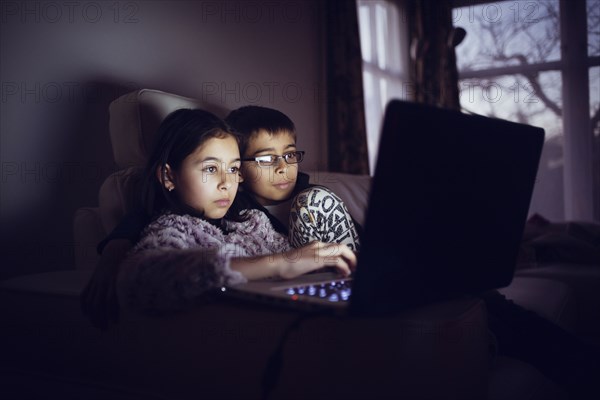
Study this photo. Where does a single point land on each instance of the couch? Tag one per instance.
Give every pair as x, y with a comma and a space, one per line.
222, 348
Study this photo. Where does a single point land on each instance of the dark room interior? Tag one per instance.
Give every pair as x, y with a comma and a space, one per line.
86, 85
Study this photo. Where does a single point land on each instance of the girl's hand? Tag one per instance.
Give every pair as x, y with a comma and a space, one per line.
317, 255
296, 262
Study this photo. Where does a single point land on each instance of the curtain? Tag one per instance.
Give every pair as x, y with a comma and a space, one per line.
347, 138
433, 59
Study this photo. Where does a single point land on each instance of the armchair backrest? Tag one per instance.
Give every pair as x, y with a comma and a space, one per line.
134, 120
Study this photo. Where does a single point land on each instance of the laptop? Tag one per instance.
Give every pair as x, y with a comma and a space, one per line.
446, 213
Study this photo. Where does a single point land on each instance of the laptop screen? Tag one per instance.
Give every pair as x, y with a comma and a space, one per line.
447, 208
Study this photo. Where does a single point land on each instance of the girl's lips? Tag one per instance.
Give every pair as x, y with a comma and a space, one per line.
223, 202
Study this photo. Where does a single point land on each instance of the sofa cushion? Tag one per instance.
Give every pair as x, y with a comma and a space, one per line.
565, 242
584, 281
549, 298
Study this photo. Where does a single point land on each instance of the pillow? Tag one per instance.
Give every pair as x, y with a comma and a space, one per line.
572, 242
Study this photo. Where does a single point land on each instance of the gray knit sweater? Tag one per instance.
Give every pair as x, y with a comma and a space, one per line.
179, 257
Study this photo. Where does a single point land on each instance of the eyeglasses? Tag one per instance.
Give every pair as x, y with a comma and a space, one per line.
293, 157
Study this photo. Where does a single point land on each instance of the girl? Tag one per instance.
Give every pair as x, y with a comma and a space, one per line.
199, 239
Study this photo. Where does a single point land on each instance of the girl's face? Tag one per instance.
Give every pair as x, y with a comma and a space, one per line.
208, 178
270, 184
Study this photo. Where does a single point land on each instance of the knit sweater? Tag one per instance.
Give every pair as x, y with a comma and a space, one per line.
180, 257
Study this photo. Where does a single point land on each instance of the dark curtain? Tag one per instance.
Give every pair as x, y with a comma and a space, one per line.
347, 138
433, 59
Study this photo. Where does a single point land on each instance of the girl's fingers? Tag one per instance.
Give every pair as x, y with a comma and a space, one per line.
343, 267
322, 254
343, 252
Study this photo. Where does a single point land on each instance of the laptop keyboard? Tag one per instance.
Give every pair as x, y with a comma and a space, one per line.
335, 291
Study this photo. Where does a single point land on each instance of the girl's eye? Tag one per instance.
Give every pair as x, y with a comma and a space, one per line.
234, 170
211, 169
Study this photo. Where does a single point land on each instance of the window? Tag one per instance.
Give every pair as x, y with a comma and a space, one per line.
383, 40
521, 61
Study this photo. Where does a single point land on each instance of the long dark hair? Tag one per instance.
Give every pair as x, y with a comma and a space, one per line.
179, 135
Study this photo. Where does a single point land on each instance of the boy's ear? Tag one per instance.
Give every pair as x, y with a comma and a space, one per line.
165, 176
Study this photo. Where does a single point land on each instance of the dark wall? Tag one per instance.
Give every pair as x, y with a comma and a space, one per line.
61, 63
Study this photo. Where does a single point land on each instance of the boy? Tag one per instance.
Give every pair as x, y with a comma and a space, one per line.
273, 184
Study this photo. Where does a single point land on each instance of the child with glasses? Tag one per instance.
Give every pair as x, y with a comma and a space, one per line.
273, 184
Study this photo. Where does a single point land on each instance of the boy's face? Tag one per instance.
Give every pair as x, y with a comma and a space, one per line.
270, 184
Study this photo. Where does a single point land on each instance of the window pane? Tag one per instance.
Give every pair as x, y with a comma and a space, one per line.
382, 29
594, 77
513, 97
372, 113
369, 91
364, 16
383, 91
593, 19
508, 34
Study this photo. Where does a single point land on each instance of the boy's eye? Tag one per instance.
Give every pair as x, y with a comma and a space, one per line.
269, 159
290, 157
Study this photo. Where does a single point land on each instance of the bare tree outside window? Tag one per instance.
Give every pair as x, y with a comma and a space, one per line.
504, 40
508, 33
510, 67
593, 23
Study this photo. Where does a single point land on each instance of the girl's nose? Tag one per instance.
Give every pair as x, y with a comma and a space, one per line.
226, 180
